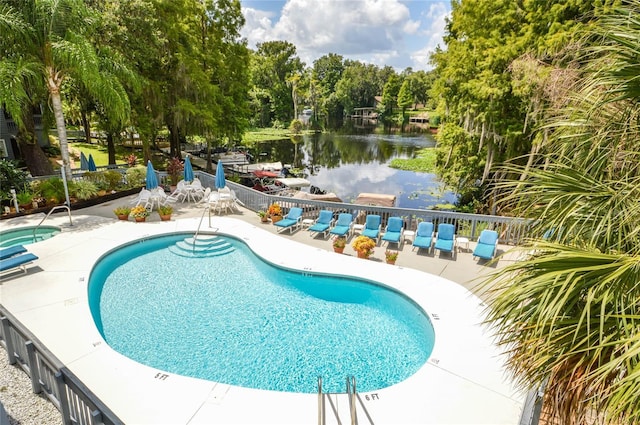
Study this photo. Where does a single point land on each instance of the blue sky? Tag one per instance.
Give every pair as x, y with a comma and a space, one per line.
399, 33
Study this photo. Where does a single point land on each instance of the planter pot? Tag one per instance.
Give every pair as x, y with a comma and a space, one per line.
392, 262
338, 250
123, 217
140, 219
362, 254
165, 217
275, 218
264, 219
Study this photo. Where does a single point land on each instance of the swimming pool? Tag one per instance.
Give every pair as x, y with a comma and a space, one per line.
227, 316
25, 235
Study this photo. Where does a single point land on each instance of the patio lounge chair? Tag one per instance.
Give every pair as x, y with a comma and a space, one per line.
17, 262
343, 226
424, 235
290, 221
394, 232
446, 238
11, 251
322, 224
372, 227
487, 244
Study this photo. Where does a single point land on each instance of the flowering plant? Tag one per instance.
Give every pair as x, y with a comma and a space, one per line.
364, 245
391, 255
339, 242
139, 212
174, 168
274, 209
131, 160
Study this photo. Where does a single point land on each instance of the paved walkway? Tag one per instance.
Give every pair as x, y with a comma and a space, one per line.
461, 268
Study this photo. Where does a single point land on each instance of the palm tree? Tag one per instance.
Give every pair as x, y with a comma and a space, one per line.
52, 39
568, 313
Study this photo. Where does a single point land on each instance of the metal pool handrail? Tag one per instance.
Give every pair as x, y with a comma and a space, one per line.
35, 229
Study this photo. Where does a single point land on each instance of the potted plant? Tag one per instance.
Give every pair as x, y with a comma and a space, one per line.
391, 256
139, 213
339, 243
263, 216
275, 212
363, 245
165, 212
174, 169
122, 212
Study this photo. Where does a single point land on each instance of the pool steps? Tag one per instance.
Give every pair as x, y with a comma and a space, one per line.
203, 246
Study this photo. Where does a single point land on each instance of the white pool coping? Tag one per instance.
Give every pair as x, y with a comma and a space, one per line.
463, 382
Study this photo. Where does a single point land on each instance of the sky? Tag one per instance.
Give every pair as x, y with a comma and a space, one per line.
398, 33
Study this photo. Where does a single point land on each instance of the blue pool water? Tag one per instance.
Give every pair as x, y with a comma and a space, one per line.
235, 319
25, 236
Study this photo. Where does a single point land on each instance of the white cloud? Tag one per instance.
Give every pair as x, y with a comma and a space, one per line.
373, 31
435, 22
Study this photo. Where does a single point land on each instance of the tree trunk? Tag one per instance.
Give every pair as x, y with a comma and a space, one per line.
36, 160
53, 83
111, 148
86, 125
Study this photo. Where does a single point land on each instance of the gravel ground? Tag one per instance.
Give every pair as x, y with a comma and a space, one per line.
22, 405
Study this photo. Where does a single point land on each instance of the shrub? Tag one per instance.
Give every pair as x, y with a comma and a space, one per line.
136, 176
83, 189
11, 177
53, 190
112, 179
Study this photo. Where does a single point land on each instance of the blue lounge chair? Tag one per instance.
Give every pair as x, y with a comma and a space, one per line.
487, 245
424, 235
372, 227
394, 231
17, 262
446, 238
322, 224
344, 225
290, 221
11, 251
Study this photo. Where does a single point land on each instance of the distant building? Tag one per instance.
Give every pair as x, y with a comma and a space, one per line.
9, 148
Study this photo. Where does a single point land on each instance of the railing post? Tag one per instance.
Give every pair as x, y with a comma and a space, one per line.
33, 368
6, 330
64, 399
96, 417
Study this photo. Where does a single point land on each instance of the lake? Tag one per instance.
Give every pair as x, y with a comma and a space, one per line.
351, 164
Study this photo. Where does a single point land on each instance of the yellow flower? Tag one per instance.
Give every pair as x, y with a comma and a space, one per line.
139, 211
364, 245
274, 209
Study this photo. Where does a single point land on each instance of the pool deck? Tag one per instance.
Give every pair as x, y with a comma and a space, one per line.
462, 383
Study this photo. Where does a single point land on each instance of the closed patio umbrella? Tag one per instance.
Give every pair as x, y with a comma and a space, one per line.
220, 181
152, 179
91, 166
84, 163
188, 170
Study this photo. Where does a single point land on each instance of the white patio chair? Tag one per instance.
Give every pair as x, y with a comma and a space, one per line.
180, 194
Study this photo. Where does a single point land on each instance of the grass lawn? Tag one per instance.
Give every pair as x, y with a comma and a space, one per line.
99, 153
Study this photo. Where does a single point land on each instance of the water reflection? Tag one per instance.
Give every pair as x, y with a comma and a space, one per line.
351, 164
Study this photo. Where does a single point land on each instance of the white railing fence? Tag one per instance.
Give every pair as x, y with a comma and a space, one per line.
76, 403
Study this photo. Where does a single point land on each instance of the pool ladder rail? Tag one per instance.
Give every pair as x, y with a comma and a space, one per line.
353, 398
